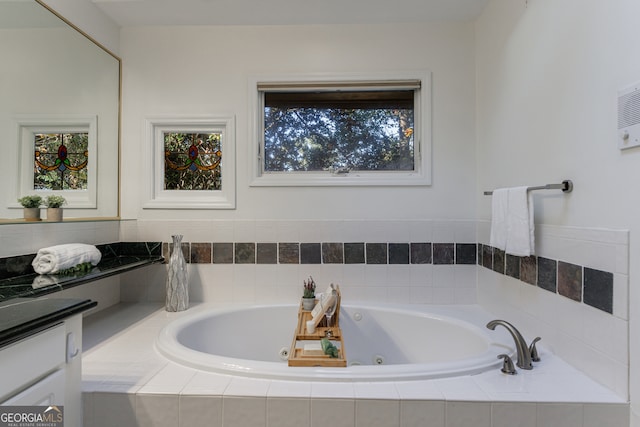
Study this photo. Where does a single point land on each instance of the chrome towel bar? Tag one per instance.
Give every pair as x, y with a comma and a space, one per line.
566, 186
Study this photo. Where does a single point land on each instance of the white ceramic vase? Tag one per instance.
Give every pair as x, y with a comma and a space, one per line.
177, 298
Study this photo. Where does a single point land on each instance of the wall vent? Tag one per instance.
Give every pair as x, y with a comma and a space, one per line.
629, 117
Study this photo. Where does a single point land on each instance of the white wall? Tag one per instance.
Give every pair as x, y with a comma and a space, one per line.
178, 71
548, 72
86, 16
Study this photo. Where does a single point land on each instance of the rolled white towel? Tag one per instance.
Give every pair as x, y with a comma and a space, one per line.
61, 257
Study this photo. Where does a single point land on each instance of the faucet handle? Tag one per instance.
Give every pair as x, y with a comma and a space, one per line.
507, 365
534, 351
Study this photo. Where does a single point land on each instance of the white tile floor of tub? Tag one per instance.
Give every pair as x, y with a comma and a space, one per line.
127, 383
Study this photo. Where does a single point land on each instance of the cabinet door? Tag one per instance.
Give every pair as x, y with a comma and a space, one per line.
46, 392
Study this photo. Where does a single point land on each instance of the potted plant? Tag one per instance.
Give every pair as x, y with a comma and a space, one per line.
309, 295
31, 205
54, 207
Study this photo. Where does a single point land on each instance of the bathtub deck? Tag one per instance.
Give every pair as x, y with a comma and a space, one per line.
127, 383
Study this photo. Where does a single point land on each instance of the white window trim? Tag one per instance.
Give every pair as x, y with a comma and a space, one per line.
157, 196
29, 125
422, 137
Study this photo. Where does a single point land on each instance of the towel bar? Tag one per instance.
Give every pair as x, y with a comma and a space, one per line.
566, 186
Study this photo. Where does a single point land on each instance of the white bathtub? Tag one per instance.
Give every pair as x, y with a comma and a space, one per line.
382, 343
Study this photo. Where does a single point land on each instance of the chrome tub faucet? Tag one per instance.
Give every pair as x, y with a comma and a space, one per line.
524, 351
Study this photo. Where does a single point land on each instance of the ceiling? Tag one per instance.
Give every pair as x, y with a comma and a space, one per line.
126, 13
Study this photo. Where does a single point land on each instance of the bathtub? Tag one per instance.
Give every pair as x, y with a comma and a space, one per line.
382, 342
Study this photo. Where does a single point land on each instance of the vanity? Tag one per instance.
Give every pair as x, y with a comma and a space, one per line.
40, 342
41, 334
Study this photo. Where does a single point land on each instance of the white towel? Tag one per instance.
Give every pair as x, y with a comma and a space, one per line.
499, 211
61, 257
520, 227
512, 224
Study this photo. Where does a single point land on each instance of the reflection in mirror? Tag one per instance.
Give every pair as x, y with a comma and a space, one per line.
56, 81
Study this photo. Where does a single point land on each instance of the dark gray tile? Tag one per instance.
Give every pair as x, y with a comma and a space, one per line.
498, 260
512, 266
223, 253
443, 253
598, 289
466, 253
487, 257
267, 253
570, 280
354, 253
547, 274
245, 253
201, 253
310, 253
376, 253
332, 253
398, 253
186, 251
420, 253
289, 253
529, 270
480, 252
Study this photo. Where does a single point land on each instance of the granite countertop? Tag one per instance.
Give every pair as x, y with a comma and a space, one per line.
22, 317
35, 285
18, 280
22, 310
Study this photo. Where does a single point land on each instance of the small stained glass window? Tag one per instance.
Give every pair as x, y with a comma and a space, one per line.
192, 161
61, 161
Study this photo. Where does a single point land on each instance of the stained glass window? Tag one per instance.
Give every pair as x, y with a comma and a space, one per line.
192, 161
61, 161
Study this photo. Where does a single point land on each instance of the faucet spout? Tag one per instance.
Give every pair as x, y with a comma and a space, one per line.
524, 357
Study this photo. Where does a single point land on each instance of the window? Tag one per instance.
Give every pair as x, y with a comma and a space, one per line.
192, 163
61, 161
58, 155
342, 132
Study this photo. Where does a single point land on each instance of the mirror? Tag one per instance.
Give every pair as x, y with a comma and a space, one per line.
56, 80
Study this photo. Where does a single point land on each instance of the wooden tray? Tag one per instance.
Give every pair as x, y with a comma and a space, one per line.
297, 357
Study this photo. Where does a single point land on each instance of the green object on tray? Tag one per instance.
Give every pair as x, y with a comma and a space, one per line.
328, 348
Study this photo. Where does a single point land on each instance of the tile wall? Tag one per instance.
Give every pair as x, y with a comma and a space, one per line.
574, 294
267, 261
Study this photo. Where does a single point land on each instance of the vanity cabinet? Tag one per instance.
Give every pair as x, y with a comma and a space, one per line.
41, 365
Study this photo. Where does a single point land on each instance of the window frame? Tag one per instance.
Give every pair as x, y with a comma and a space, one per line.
420, 176
157, 196
26, 128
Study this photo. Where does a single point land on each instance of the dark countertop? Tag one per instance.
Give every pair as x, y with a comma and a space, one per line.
22, 310
36, 285
22, 317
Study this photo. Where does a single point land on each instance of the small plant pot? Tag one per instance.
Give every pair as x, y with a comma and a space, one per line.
54, 214
31, 214
308, 303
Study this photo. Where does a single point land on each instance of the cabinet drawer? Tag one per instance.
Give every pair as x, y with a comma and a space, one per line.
23, 363
46, 392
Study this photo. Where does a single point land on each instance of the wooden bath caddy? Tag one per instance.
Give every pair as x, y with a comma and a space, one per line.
297, 355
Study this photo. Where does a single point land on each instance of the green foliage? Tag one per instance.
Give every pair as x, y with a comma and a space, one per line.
85, 267
54, 201
30, 201
316, 139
